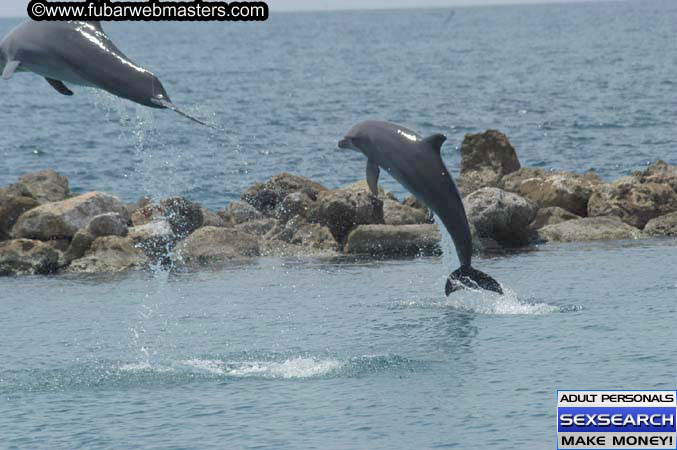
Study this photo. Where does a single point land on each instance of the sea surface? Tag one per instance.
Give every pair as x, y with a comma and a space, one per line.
344, 353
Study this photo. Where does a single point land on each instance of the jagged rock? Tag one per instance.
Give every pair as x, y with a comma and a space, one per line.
638, 198
63, 219
45, 186
662, 226
238, 212
183, 215
362, 185
11, 207
110, 254
81, 242
308, 235
500, 215
589, 229
257, 227
413, 202
485, 159
392, 240
212, 244
567, 190
551, 216
265, 197
212, 219
28, 257
156, 239
146, 214
108, 224
141, 203
296, 203
395, 213
342, 210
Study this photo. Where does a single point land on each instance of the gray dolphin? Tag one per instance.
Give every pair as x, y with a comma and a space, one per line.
80, 53
417, 164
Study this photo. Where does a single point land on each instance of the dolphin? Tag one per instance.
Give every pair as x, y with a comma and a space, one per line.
417, 164
80, 53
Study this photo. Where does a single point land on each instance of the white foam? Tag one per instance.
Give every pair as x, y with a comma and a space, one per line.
143, 366
291, 368
482, 302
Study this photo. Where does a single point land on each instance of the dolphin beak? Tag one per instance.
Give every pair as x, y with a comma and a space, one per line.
344, 143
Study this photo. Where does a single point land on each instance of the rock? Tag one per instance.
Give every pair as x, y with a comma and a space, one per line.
500, 215
413, 202
551, 216
146, 214
108, 224
392, 240
257, 227
342, 210
589, 229
110, 254
156, 239
662, 226
362, 185
183, 215
638, 198
395, 213
212, 245
45, 186
63, 219
485, 159
141, 203
308, 235
569, 191
238, 212
81, 242
296, 203
265, 197
28, 257
11, 207
212, 219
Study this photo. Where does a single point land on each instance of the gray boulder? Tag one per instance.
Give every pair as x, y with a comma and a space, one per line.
81, 242
501, 215
108, 224
44, 186
212, 245
257, 227
638, 198
265, 197
342, 210
294, 204
28, 257
392, 240
212, 219
551, 216
589, 229
63, 219
662, 226
485, 159
238, 212
11, 207
395, 213
110, 254
183, 215
569, 191
156, 239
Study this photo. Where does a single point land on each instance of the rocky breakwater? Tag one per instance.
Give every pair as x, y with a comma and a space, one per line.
44, 229
550, 205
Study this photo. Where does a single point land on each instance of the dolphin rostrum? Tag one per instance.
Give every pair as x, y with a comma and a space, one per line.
417, 164
80, 53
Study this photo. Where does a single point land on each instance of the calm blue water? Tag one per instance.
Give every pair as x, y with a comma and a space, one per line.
286, 353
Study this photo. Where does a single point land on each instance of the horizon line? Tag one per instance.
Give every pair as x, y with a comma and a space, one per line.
388, 8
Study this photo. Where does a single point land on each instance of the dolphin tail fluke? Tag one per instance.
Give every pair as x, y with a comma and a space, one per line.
471, 278
173, 107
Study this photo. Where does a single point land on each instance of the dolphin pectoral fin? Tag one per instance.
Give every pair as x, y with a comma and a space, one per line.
436, 141
10, 68
169, 105
59, 86
372, 176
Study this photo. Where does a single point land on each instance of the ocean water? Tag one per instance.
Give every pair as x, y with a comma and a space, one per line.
344, 352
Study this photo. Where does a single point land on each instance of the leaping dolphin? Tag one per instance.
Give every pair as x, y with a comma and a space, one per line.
80, 53
417, 164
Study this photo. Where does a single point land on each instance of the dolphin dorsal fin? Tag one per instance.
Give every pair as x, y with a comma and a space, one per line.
435, 141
